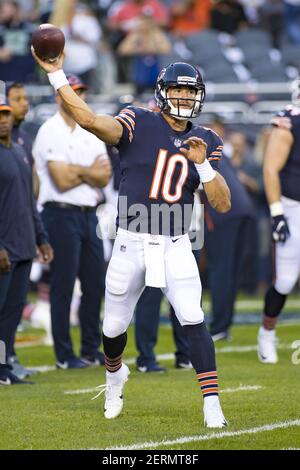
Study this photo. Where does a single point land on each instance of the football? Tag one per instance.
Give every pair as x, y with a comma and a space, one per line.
48, 42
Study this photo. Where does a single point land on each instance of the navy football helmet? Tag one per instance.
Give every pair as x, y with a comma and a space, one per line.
180, 74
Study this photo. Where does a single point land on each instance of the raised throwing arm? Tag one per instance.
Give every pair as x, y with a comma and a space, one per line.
107, 128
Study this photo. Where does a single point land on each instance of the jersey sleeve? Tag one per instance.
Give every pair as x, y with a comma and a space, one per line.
127, 117
214, 149
283, 120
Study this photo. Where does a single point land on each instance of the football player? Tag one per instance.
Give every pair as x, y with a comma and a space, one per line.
164, 157
282, 185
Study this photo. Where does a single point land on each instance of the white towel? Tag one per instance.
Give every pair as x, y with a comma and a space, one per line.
154, 250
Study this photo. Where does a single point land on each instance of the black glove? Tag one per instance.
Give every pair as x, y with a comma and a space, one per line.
280, 229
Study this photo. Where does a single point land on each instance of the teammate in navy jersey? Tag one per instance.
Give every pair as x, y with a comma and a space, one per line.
282, 185
163, 160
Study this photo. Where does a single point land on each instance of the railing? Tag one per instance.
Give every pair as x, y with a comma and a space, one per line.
240, 103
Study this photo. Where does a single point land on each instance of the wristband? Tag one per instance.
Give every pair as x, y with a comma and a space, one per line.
205, 171
276, 209
58, 79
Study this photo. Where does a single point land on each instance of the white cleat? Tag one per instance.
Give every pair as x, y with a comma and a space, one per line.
113, 392
267, 346
213, 415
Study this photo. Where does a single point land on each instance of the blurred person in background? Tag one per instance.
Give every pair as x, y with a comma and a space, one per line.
282, 184
188, 17
228, 16
16, 63
70, 194
18, 100
251, 8
263, 215
83, 34
225, 240
144, 45
30, 9
292, 15
125, 17
21, 234
272, 20
250, 176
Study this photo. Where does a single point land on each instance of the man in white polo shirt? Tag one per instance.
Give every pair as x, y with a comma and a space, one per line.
73, 165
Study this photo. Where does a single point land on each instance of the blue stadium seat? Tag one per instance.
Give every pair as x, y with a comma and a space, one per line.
267, 71
255, 36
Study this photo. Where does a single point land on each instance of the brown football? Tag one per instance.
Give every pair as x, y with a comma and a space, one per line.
48, 41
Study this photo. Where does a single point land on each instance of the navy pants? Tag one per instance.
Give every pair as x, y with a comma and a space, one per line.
13, 291
224, 246
147, 315
78, 252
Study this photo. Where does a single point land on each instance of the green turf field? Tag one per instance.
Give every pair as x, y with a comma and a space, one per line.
261, 402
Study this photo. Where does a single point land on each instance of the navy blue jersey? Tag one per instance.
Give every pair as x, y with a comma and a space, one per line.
20, 226
289, 119
23, 138
155, 176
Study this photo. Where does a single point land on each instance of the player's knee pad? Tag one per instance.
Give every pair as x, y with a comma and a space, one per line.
118, 278
187, 290
192, 316
285, 284
114, 326
187, 305
274, 302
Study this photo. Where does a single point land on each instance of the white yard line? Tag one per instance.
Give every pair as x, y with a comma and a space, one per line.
242, 388
30, 344
207, 437
42, 368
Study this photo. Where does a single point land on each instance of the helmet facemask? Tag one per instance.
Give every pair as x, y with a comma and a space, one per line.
181, 112
180, 74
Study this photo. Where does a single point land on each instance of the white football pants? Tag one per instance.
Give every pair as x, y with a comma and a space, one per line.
125, 281
287, 255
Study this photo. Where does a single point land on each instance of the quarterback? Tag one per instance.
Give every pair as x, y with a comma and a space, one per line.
164, 158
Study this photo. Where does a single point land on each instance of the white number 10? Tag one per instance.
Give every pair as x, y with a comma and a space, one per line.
164, 170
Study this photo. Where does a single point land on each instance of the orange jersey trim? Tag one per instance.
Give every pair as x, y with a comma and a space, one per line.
128, 127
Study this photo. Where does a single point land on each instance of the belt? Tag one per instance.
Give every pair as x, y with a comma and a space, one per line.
65, 205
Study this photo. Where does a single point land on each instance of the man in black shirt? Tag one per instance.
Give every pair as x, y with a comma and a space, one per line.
21, 231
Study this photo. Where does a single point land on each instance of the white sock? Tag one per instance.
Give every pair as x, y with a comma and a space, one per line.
115, 377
